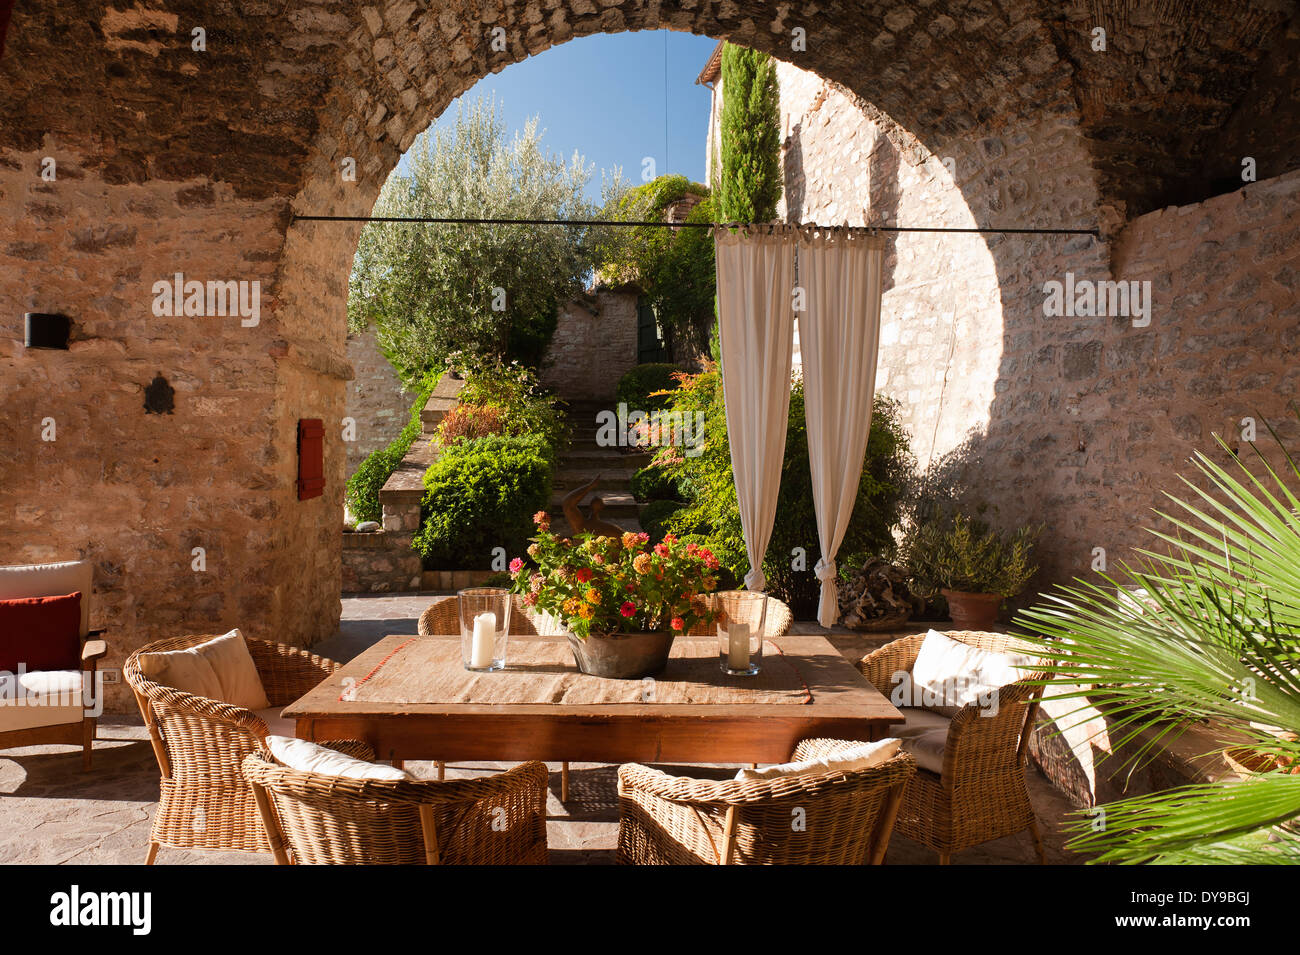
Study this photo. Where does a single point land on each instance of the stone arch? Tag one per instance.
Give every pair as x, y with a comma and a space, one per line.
173, 160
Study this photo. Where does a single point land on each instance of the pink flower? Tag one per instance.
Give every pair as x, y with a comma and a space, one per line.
516, 565
627, 609
661, 550
678, 623
530, 599
643, 538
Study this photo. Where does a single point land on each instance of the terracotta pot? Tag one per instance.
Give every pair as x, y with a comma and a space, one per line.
622, 656
972, 611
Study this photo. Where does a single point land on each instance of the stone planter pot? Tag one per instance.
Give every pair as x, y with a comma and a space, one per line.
622, 656
972, 611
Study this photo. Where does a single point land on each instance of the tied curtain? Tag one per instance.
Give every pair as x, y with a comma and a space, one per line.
755, 272
839, 337
839, 274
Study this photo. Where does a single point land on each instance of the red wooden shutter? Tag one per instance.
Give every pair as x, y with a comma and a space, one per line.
311, 458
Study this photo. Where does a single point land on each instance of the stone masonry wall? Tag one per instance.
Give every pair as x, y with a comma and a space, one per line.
376, 403
594, 345
175, 159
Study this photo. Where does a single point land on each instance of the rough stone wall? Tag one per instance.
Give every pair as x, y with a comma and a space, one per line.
376, 402
842, 165
594, 345
174, 159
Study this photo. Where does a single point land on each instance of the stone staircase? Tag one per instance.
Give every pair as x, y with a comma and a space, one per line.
584, 460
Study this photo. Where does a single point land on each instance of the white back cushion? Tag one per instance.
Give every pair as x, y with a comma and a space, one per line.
845, 761
310, 757
220, 669
954, 673
50, 580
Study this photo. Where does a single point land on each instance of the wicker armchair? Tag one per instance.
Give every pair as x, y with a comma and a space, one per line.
981, 792
847, 817
204, 801
443, 617
327, 820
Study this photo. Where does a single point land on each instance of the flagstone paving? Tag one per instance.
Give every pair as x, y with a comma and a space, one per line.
52, 813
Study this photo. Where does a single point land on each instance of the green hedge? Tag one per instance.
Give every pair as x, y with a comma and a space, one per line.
655, 484
655, 516
634, 388
362, 489
482, 494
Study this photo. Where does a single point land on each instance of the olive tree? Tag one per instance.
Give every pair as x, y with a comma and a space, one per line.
433, 289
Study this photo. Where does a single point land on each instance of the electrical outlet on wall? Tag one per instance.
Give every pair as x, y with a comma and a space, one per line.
111, 675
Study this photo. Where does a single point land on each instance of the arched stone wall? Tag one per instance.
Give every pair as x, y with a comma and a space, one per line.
170, 158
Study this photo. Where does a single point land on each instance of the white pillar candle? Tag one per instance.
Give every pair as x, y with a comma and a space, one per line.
485, 638
738, 646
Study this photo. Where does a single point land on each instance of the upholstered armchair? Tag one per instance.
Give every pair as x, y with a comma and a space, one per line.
45, 631
970, 782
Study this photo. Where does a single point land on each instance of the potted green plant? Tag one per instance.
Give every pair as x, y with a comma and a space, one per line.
972, 565
621, 601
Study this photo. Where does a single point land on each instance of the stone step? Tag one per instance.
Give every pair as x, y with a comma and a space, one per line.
560, 525
590, 457
617, 503
610, 478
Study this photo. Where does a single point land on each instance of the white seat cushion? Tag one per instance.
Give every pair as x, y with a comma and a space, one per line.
845, 761
950, 674
276, 724
219, 669
310, 757
41, 698
925, 735
50, 580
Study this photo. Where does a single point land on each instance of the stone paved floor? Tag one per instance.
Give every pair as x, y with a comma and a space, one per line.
51, 812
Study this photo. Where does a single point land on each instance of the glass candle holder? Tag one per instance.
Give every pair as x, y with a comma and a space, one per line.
484, 628
741, 617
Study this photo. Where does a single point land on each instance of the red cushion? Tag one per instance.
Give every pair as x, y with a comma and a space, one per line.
42, 633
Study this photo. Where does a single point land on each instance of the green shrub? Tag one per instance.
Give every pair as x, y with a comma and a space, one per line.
967, 555
655, 515
482, 494
362, 489
635, 389
655, 484
708, 484
519, 403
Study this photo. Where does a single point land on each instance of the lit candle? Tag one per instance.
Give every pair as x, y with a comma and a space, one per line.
485, 638
738, 646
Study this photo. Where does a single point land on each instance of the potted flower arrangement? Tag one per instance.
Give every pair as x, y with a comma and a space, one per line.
973, 566
621, 601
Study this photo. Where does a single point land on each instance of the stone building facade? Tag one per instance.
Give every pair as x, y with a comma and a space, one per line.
377, 403
594, 345
127, 155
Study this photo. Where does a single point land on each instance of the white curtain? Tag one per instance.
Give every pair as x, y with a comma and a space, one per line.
839, 335
756, 331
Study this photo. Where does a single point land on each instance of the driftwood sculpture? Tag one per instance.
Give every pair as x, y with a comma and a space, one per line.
593, 524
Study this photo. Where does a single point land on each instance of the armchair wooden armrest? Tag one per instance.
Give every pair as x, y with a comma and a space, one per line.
93, 650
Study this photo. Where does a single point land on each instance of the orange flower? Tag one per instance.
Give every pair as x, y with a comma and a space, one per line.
641, 563
593, 596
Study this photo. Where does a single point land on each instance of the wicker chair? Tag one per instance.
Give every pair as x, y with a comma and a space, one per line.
847, 817
327, 820
443, 617
981, 792
204, 801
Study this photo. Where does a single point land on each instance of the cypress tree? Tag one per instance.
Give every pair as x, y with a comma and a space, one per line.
750, 185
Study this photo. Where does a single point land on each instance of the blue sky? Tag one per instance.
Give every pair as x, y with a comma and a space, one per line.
603, 95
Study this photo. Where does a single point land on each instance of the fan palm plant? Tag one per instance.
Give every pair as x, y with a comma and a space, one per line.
1203, 631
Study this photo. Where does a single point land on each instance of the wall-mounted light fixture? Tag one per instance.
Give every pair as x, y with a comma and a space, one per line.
46, 330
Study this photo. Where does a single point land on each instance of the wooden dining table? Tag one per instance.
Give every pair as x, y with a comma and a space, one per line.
426, 711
